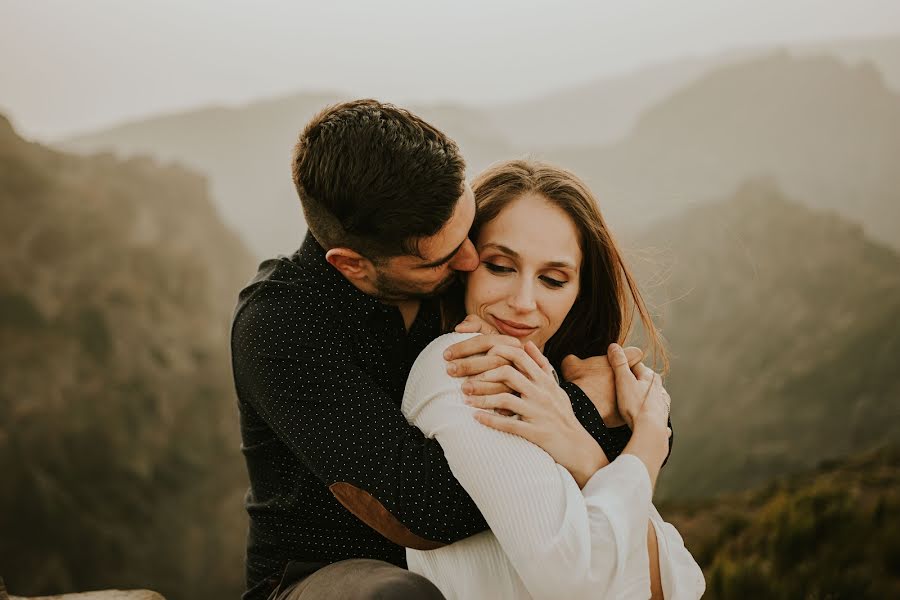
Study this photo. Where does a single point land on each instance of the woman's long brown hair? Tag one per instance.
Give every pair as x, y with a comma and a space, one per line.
608, 296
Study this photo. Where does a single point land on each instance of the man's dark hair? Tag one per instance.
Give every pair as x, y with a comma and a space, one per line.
375, 178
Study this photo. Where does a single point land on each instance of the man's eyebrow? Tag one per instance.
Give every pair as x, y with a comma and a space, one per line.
446, 259
553, 263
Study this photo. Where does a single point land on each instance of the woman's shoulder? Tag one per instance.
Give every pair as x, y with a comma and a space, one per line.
429, 375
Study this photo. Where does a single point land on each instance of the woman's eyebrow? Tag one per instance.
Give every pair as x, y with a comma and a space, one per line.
557, 264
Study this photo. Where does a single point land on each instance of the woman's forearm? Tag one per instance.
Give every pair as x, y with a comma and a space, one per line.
593, 459
649, 443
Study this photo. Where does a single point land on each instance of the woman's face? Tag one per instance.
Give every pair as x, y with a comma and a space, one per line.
527, 278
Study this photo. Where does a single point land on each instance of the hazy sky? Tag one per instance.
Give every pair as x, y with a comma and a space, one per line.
73, 65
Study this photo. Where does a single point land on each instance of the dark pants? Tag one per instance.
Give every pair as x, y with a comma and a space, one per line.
361, 579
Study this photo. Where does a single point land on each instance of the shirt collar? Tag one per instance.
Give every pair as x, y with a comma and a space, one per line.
311, 256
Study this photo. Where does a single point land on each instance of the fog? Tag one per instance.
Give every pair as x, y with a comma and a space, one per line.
67, 67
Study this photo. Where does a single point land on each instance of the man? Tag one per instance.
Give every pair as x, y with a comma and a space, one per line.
322, 344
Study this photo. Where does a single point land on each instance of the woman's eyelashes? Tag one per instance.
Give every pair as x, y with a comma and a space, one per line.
553, 282
495, 268
500, 270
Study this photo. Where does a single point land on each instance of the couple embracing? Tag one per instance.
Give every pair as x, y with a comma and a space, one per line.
432, 396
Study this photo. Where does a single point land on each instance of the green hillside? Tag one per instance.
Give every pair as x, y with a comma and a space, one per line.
118, 429
784, 325
833, 533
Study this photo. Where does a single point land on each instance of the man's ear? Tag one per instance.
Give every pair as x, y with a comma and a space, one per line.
350, 263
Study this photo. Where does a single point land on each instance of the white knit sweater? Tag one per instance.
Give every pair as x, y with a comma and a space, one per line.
548, 538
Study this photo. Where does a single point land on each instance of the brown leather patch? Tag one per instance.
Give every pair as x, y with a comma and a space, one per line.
371, 512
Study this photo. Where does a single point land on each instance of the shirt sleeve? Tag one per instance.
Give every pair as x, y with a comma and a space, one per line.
352, 436
612, 439
562, 541
682, 578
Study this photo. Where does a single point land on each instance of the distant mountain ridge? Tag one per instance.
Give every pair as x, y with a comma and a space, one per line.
784, 325
828, 133
246, 151
117, 411
605, 111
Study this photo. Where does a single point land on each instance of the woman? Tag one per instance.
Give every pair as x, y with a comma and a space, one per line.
565, 522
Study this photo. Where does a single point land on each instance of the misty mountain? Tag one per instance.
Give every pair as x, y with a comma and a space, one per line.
119, 446
246, 152
829, 134
604, 111
784, 325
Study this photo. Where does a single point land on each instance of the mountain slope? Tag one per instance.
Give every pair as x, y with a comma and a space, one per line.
784, 324
118, 432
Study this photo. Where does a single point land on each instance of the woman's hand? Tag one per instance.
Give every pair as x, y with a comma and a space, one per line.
635, 392
543, 411
644, 401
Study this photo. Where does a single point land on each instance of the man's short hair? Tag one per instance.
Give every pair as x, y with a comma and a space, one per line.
375, 178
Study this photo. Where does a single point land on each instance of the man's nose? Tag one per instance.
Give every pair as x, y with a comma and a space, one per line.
466, 259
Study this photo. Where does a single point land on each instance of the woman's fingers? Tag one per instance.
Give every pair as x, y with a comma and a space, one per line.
474, 387
505, 401
542, 361
510, 376
643, 372
507, 424
521, 360
619, 362
475, 365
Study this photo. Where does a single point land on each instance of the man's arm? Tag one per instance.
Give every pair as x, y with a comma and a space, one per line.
351, 435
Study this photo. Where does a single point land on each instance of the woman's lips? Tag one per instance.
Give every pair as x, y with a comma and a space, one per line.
513, 328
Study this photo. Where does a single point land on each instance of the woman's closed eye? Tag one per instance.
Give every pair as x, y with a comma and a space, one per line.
546, 279
555, 283
495, 268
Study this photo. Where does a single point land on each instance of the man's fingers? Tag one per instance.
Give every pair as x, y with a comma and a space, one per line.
571, 367
480, 344
474, 324
474, 387
475, 365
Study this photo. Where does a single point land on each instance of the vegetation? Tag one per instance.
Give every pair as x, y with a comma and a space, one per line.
833, 533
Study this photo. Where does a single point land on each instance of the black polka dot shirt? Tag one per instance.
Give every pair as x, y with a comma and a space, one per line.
320, 369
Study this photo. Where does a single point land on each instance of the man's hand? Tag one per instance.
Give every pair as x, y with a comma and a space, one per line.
478, 355
474, 356
596, 378
475, 324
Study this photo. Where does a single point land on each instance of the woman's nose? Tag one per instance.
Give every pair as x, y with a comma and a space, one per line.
523, 299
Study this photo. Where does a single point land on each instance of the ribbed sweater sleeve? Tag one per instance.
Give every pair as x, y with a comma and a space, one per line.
562, 541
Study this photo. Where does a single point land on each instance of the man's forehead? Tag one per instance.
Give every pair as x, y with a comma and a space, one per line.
454, 232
